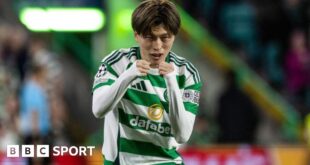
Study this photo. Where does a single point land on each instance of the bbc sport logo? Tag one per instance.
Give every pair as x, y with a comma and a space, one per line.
29, 151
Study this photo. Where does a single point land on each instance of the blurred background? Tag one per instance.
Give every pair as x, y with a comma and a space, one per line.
253, 57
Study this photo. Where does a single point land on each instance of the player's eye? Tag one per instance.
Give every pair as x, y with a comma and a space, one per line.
148, 37
164, 39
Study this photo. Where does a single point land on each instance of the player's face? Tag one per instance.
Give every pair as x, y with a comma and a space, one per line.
155, 47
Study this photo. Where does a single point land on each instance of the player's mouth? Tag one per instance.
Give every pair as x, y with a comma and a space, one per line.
156, 56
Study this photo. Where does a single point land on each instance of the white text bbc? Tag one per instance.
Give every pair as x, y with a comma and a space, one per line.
44, 150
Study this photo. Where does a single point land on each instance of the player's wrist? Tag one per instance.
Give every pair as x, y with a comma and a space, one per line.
171, 80
170, 75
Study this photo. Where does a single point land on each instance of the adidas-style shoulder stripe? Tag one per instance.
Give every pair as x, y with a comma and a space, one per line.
179, 61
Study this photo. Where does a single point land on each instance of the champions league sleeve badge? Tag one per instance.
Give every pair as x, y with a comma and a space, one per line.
99, 78
102, 71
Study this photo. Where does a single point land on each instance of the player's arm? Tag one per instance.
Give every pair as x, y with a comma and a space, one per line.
106, 97
182, 112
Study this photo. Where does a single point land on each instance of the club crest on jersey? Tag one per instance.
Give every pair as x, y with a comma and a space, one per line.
102, 71
155, 112
166, 95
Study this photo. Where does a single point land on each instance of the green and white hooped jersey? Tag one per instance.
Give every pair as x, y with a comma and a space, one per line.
138, 130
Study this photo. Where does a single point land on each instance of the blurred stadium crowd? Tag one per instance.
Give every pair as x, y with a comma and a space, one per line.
32, 105
271, 36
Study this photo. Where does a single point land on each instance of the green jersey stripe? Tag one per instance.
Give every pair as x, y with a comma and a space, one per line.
163, 141
165, 105
145, 99
181, 81
107, 162
156, 80
149, 149
111, 70
128, 66
159, 81
109, 82
191, 107
137, 49
143, 123
196, 87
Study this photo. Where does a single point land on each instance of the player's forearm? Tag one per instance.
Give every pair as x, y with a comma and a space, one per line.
182, 121
107, 97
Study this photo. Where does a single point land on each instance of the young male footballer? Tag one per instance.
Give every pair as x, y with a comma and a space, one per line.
148, 95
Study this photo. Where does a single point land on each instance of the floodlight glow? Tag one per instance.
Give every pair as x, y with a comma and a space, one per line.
75, 19
62, 19
34, 19
123, 19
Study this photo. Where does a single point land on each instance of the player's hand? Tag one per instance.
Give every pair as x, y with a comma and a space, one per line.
143, 67
165, 68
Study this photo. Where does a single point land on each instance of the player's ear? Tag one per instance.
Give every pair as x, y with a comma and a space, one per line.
136, 36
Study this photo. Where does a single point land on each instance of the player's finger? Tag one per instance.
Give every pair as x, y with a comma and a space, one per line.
165, 66
143, 70
141, 64
146, 67
162, 72
144, 64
